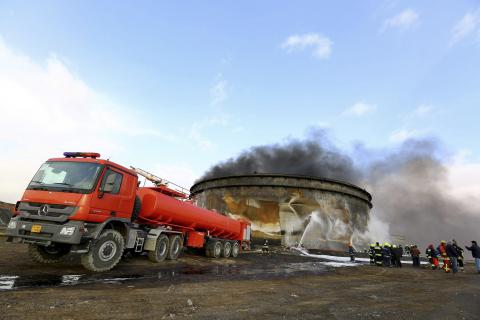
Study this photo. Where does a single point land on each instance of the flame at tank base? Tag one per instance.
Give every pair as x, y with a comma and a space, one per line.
317, 213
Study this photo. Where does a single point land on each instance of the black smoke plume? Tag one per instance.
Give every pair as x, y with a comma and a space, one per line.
312, 157
409, 184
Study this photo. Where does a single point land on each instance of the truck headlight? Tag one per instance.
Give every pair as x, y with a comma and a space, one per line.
12, 225
67, 231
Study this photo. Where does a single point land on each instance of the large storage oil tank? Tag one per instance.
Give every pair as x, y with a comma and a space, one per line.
316, 212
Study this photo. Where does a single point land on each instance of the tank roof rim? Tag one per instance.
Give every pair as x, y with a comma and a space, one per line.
279, 175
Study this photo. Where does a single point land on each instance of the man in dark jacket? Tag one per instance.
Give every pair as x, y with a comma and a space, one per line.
460, 254
415, 253
397, 253
393, 259
475, 253
453, 255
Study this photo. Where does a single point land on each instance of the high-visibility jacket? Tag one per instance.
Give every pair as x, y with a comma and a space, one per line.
443, 252
378, 251
446, 259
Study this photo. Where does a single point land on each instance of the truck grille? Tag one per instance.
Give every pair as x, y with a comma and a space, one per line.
55, 206
46, 209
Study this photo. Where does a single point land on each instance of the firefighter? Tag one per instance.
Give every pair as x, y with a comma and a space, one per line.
432, 256
371, 253
387, 255
351, 252
265, 247
460, 255
378, 254
444, 255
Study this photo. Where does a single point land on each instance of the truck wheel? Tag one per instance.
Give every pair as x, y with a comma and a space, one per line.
175, 247
105, 251
137, 206
235, 249
161, 249
214, 249
227, 249
48, 254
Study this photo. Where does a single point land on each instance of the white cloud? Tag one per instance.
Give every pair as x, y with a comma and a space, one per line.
461, 156
46, 109
467, 25
405, 20
321, 46
359, 109
197, 130
219, 91
402, 135
324, 124
424, 109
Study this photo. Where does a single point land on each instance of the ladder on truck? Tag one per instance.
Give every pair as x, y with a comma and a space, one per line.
160, 182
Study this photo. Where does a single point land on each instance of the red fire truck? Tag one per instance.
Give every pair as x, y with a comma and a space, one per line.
95, 207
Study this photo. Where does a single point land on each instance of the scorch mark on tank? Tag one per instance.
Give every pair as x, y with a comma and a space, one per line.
318, 213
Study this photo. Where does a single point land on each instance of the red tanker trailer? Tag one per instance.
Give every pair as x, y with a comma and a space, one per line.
94, 207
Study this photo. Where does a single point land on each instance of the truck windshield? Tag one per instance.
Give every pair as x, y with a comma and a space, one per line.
66, 176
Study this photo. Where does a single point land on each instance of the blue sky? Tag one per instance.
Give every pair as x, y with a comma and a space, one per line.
176, 87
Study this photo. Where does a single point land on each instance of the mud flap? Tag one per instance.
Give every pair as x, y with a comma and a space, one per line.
80, 248
151, 241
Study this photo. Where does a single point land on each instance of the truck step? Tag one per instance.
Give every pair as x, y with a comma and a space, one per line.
139, 244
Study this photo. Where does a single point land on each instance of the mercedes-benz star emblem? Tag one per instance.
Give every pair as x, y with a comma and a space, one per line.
43, 210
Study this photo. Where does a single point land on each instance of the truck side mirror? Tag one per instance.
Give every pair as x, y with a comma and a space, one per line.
100, 193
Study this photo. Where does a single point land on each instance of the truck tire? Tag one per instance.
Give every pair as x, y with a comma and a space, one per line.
48, 254
227, 249
175, 247
214, 248
105, 251
161, 249
137, 206
235, 249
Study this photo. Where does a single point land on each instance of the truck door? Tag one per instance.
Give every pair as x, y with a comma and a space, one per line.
108, 202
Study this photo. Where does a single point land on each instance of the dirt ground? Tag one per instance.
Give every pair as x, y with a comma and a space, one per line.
279, 285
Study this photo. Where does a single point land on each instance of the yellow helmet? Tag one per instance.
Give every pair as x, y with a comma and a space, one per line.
372, 245
394, 246
443, 241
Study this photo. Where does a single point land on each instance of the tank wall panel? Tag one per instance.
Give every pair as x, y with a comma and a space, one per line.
316, 218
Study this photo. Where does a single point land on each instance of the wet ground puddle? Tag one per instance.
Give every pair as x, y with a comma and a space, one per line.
178, 274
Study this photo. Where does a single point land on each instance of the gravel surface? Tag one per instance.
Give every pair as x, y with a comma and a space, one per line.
278, 285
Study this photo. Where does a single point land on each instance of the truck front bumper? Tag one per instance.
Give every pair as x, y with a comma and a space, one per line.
45, 233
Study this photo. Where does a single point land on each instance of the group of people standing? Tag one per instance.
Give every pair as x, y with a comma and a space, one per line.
450, 253
387, 255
